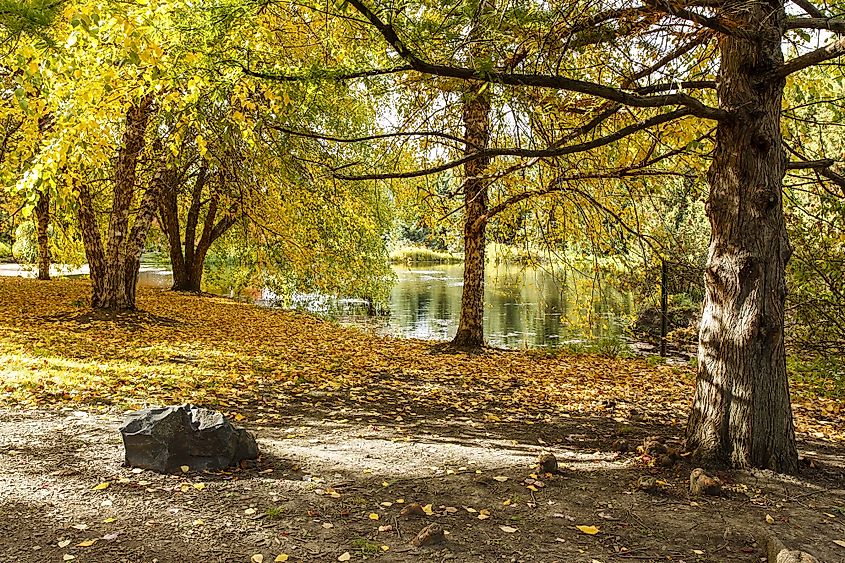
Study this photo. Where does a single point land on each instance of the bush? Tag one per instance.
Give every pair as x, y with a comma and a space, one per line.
5, 251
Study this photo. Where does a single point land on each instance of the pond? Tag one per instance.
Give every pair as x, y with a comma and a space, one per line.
525, 307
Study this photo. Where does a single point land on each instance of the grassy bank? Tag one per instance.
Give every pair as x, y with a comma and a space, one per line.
252, 362
421, 254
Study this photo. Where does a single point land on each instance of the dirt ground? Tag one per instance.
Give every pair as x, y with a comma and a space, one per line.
331, 485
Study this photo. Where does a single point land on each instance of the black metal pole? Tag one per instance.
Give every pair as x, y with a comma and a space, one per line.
664, 306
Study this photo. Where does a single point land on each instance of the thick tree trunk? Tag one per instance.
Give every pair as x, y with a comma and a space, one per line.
476, 117
741, 413
42, 217
114, 270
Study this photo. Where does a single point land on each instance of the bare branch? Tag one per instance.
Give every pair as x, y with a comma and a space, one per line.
832, 51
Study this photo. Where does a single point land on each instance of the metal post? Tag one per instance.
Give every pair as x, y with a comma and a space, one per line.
664, 306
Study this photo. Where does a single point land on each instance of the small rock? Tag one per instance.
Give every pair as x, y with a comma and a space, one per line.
548, 463
413, 509
647, 484
653, 446
700, 483
431, 534
669, 459
776, 552
621, 445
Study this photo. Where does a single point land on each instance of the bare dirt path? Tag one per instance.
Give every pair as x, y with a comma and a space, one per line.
326, 476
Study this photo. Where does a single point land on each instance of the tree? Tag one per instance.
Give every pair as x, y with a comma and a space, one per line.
741, 412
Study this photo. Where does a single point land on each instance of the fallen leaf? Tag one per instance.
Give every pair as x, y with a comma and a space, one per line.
374, 516
80, 527
199, 486
840, 543
280, 558
507, 529
385, 547
199, 522
184, 468
500, 478
86, 543
249, 511
64, 543
109, 520
483, 514
101, 486
698, 552
428, 510
385, 528
257, 558
68, 557
590, 530
345, 556
769, 519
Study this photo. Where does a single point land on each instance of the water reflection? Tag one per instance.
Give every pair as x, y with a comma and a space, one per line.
525, 307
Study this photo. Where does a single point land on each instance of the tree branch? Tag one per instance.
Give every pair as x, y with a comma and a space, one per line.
549, 152
832, 51
695, 106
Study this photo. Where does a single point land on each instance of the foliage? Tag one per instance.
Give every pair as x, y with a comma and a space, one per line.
253, 361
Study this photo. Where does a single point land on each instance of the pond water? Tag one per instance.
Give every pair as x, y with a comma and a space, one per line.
525, 307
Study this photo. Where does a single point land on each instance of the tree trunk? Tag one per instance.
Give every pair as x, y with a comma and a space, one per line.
741, 413
114, 271
42, 217
188, 259
476, 117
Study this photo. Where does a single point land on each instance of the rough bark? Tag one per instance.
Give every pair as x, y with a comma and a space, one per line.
114, 266
476, 116
741, 413
42, 218
187, 258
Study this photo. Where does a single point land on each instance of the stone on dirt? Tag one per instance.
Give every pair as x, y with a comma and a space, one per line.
548, 463
164, 439
700, 483
776, 552
431, 534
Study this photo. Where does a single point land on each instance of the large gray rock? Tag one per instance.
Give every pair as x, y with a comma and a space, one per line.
165, 438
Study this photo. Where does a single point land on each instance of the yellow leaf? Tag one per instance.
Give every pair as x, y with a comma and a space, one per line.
109, 520
385, 547
199, 486
67, 557
400, 501
199, 522
428, 510
184, 468
281, 557
374, 516
698, 552
257, 558
101, 486
590, 530
345, 556
483, 514
769, 519
249, 511
86, 543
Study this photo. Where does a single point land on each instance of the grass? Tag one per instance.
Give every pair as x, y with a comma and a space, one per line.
421, 254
